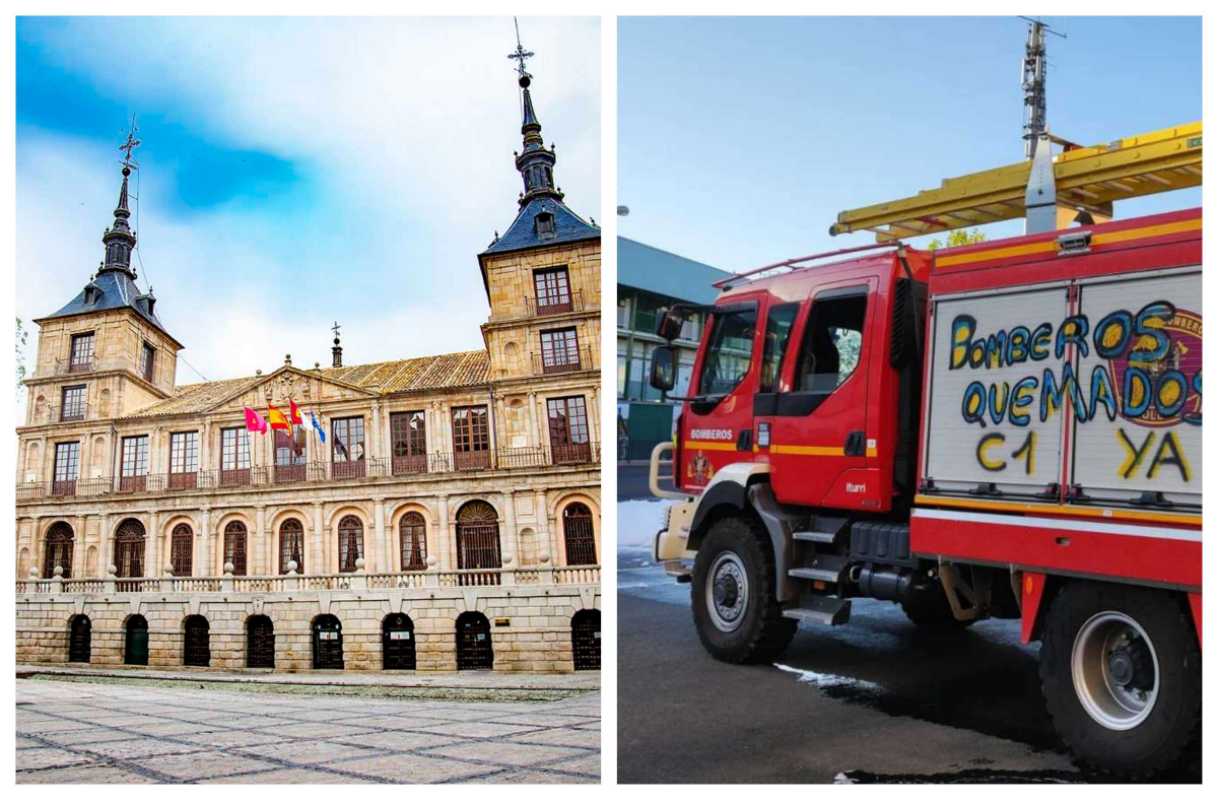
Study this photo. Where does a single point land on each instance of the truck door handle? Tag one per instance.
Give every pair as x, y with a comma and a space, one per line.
855, 444
744, 442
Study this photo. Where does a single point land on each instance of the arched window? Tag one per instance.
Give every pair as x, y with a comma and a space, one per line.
578, 534
413, 533
181, 550
129, 549
234, 546
350, 543
478, 536
291, 546
58, 552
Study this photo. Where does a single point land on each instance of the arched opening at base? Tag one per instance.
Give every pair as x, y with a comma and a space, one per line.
397, 642
586, 639
327, 642
196, 647
135, 640
474, 649
80, 639
260, 642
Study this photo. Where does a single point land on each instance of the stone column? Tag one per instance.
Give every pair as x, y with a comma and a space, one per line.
106, 554
545, 553
508, 534
204, 550
261, 549
205, 464
534, 434
382, 561
375, 445
152, 565
445, 540
594, 417
319, 552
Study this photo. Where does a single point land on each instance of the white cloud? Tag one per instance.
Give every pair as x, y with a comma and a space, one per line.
405, 125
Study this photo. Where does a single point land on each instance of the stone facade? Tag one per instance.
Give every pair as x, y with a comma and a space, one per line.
465, 483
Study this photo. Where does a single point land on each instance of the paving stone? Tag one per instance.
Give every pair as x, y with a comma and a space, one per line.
85, 773
30, 758
497, 751
415, 769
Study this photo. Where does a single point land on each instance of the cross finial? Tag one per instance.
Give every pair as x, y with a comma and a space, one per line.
520, 54
130, 144
336, 328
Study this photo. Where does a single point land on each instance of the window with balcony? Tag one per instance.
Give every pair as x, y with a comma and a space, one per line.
72, 406
181, 550
413, 532
579, 535
289, 457
234, 457
471, 438
553, 290
350, 543
569, 440
347, 434
559, 351
234, 546
81, 358
133, 463
408, 439
184, 460
67, 469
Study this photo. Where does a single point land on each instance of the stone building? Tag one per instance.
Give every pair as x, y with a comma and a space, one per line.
450, 519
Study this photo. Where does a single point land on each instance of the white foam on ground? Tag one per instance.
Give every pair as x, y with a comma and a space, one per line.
823, 680
638, 521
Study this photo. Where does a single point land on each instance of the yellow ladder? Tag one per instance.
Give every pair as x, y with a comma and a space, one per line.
1085, 177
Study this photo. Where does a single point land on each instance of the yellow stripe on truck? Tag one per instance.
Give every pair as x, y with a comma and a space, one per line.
1109, 237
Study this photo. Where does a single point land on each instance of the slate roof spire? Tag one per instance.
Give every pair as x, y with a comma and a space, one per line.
119, 239
535, 162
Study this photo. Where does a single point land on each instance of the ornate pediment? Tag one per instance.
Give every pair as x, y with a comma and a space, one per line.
287, 382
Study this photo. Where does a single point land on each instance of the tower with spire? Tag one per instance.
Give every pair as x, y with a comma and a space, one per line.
542, 276
106, 352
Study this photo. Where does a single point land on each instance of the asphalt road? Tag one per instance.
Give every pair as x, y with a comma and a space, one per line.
632, 482
876, 700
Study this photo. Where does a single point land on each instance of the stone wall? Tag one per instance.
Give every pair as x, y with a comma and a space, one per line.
530, 626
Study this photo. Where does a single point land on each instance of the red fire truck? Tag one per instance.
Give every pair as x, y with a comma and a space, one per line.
1009, 429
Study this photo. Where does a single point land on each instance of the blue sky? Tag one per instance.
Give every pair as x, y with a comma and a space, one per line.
294, 171
740, 139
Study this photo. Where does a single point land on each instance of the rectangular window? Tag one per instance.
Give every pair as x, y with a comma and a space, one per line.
559, 351
234, 456
67, 468
777, 332
134, 464
184, 460
729, 350
73, 406
81, 359
408, 439
289, 456
568, 419
553, 290
348, 447
147, 361
833, 339
471, 438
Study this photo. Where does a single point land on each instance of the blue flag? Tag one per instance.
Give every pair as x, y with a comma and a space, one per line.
317, 427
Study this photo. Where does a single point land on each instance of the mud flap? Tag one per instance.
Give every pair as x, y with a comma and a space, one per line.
1032, 592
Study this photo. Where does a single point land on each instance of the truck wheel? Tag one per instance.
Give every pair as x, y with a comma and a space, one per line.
927, 607
735, 610
1120, 667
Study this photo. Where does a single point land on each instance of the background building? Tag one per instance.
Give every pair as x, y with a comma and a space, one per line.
650, 279
450, 519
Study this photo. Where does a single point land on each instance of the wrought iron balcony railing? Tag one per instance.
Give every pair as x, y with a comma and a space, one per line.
408, 467
563, 359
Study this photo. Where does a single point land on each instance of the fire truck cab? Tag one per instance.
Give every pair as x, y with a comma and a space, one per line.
1010, 429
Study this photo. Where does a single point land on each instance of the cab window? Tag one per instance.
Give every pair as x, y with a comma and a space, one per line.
832, 341
778, 326
729, 351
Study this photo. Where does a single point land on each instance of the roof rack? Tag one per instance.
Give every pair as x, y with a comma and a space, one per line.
795, 263
1088, 178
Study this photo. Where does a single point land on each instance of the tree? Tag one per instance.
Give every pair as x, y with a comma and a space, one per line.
958, 238
22, 337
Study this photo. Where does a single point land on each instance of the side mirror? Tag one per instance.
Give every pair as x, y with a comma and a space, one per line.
663, 368
671, 321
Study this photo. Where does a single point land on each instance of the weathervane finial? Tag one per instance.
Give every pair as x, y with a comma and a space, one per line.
520, 54
130, 144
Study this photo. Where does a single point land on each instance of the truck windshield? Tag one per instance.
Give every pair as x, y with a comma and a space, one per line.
729, 351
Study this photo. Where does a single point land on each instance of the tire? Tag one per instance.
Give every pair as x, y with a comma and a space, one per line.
1127, 734
927, 607
746, 625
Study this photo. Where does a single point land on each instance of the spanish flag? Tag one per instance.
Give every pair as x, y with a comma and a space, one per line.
294, 412
277, 419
